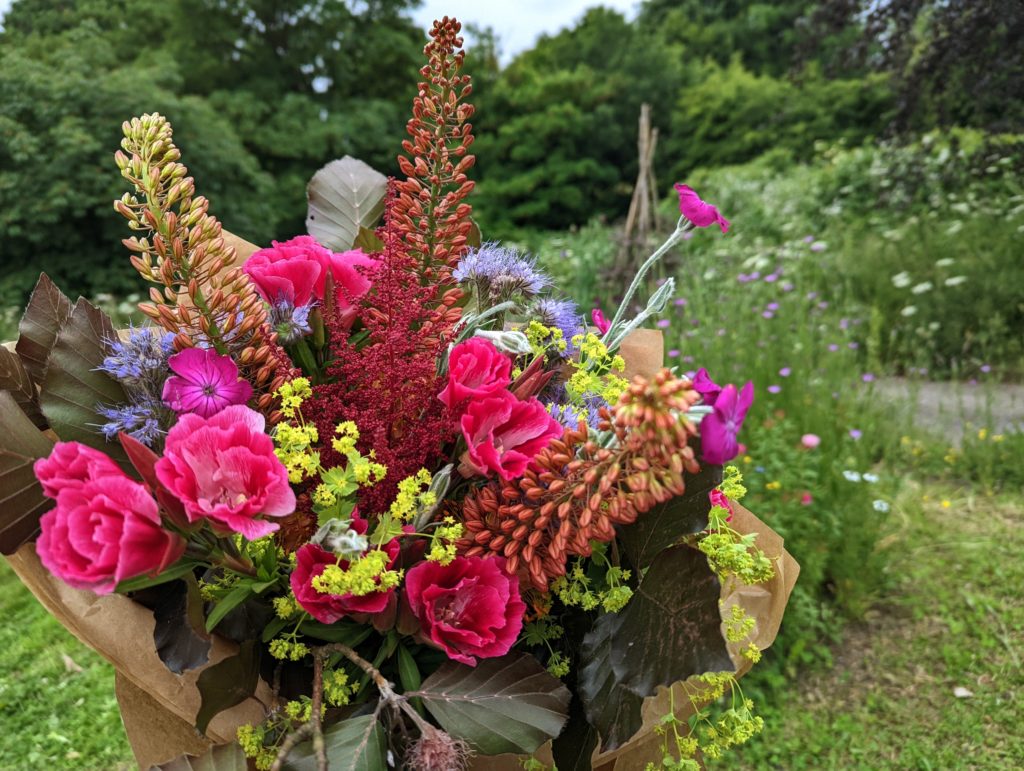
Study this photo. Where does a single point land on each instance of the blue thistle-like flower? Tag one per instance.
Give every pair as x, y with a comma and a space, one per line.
563, 315
141, 360
500, 272
140, 419
290, 322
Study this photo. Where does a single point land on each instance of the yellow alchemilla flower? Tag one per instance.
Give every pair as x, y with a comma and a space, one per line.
363, 576
774, 485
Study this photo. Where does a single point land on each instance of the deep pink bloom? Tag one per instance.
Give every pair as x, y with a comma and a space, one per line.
806, 499
718, 498
71, 464
297, 270
223, 469
105, 527
504, 434
476, 369
706, 387
310, 562
205, 382
810, 441
602, 324
470, 609
697, 211
719, 428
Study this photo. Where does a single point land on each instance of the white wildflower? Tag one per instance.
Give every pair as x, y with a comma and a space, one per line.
924, 286
852, 476
881, 506
909, 311
869, 477
901, 280
955, 280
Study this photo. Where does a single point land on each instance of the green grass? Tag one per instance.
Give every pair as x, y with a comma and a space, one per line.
53, 715
954, 620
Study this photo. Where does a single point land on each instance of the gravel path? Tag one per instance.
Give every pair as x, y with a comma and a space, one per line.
948, 406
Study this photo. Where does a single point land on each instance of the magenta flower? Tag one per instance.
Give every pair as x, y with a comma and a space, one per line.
718, 429
706, 387
476, 370
810, 441
205, 382
504, 434
602, 324
697, 211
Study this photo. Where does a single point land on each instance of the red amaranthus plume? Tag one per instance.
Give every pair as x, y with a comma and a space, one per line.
388, 383
431, 213
577, 491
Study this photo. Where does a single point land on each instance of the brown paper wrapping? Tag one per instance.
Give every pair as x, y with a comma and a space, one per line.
158, 707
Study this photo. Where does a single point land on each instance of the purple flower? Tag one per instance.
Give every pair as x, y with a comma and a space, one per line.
673, 353
560, 314
697, 211
812, 295
662, 323
772, 306
771, 278
867, 377
853, 346
808, 239
818, 246
823, 305
833, 347
774, 389
786, 286
688, 360
718, 429
743, 278
755, 275
785, 372
706, 387
500, 272
205, 382
291, 323
680, 302
856, 434
140, 419
141, 360
986, 368
768, 315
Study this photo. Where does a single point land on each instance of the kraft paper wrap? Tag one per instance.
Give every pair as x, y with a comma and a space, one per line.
158, 708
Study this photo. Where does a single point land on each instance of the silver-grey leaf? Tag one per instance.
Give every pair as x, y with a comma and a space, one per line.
344, 196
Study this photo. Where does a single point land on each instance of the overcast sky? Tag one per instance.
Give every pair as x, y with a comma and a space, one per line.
518, 22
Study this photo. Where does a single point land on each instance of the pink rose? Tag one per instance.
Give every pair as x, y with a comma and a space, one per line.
476, 369
104, 530
223, 469
310, 562
297, 271
470, 609
504, 434
71, 465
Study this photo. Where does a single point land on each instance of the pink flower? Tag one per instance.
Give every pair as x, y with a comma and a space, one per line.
697, 211
71, 465
806, 499
105, 527
706, 387
504, 434
718, 429
223, 469
602, 324
810, 441
297, 271
718, 498
205, 382
470, 609
476, 369
310, 562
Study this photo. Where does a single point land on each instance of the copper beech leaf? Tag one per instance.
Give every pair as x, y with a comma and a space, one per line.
73, 386
665, 524
220, 757
22, 502
344, 196
179, 634
669, 630
227, 683
508, 704
48, 310
356, 744
14, 379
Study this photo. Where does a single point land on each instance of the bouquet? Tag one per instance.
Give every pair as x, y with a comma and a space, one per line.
384, 497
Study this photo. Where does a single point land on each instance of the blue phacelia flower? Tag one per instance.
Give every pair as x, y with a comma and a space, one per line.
499, 273
141, 360
290, 322
560, 314
140, 419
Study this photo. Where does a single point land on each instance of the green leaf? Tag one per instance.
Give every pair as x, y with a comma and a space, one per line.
73, 386
221, 757
510, 704
344, 196
47, 312
180, 632
573, 749
367, 241
227, 683
341, 632
356, 744
172, 573
408, 672
22, 502
665, 524
231, 600
14, 378
609, 707
669, 630
473, 238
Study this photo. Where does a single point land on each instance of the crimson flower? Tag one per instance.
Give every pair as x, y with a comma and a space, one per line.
504, 434
699, 212
205, 382
476, 369
602, 324
719, 428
